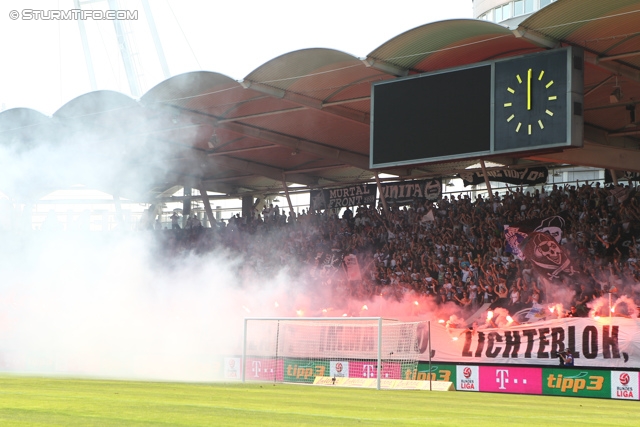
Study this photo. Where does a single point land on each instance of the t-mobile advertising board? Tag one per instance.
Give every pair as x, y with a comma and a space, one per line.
264, 369
499, 379
367, 369
509, 379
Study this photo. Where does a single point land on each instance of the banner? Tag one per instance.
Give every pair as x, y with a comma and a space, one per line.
353, 268
607, 342
327, 262
604, 342
549, 259
353, 195
621, 176
417, 191
515, 234
526, 176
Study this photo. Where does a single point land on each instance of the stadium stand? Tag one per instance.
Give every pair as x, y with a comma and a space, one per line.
453, 250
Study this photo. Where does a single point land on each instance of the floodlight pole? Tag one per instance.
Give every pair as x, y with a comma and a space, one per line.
379, 373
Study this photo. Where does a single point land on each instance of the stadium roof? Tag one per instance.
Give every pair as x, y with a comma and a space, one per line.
303, 118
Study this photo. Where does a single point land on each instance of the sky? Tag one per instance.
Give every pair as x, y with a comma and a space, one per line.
44, 65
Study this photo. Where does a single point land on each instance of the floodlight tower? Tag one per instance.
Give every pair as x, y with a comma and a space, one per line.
126, 46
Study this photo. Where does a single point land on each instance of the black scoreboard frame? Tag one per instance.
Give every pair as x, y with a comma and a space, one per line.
478, 110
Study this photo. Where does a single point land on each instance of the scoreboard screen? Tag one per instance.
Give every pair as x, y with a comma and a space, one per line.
521, 104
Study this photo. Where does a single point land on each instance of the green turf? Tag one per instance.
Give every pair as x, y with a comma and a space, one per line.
31, 401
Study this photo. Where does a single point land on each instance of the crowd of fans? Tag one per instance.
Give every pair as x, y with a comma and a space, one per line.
452, 249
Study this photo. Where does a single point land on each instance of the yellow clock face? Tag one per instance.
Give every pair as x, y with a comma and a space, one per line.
529, 101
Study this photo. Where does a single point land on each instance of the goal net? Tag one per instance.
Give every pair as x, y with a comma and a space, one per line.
300, 349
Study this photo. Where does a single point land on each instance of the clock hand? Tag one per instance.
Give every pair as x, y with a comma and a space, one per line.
529, 89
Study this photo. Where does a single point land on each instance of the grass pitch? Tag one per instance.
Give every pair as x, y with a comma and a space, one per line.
32, 401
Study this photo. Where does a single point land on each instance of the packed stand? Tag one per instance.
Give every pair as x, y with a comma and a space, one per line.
453, 250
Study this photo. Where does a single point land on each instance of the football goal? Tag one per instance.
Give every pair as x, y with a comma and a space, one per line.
300, 349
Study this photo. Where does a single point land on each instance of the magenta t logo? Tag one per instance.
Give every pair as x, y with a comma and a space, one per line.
256, 368
368, 371
502, 377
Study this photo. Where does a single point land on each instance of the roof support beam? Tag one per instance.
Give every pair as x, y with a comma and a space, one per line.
345, 101
536, 38
252, 116
337, 110
618, 56
241, 150
386, 67
596, 87
615, 68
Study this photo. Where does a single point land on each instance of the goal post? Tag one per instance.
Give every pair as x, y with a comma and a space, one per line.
296, 349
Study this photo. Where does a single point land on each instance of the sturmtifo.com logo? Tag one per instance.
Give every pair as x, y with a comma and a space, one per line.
73, 15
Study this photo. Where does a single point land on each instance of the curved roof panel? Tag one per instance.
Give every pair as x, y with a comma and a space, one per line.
287, 69
24, 126
197, 90
97, 102
606, 28
450, 43
322, 77
17, 117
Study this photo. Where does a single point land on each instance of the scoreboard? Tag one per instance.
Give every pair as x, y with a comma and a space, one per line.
521, 104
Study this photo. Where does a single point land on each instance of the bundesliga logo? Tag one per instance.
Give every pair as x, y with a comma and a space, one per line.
624, 379
232, 363
625, 391
466, 372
